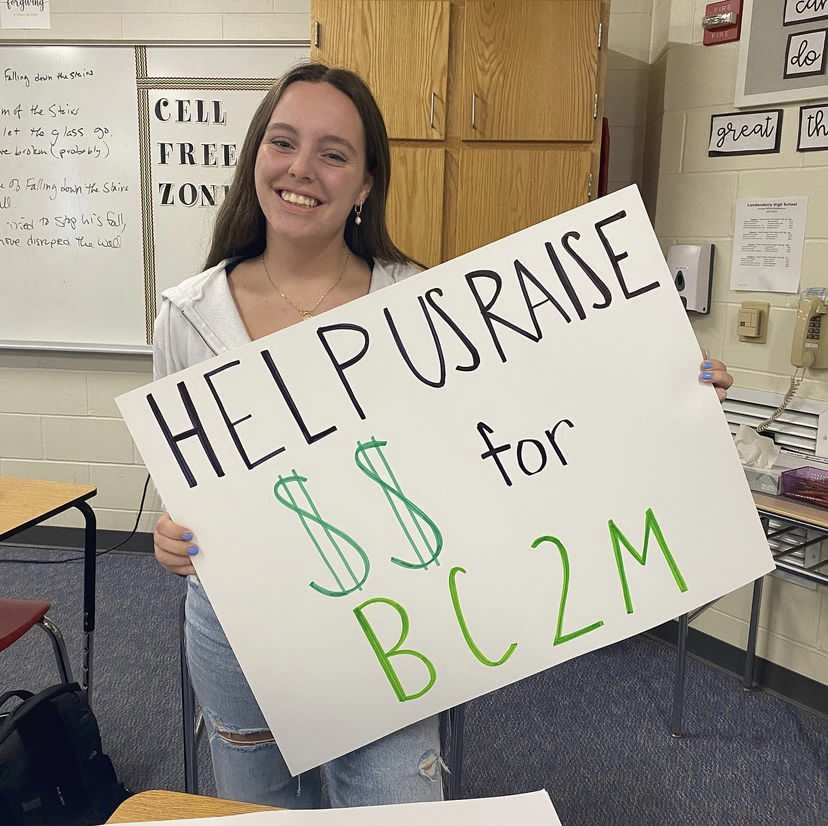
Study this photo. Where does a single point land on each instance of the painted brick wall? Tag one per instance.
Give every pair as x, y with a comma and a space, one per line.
695, 198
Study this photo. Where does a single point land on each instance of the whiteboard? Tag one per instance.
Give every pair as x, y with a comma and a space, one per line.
269, 61
113, 163
70, 196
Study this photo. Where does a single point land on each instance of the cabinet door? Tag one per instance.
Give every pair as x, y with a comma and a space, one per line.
400, 48
531, 69
503, 191
415, 201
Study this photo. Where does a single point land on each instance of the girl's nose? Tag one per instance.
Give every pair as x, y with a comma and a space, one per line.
301, 166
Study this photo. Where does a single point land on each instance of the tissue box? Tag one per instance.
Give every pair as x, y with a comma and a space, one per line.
764, 480
809, 484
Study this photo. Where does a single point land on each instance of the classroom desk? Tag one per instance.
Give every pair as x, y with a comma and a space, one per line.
159, 804
791, 513
27, 502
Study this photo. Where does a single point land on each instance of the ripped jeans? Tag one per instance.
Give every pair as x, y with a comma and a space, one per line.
403, 767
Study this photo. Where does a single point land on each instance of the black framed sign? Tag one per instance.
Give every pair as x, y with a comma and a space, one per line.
775, 65
745, 133
805, 53
804, 11
813, 128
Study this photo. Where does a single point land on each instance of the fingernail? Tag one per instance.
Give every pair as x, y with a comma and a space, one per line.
192, 550
187, 536
707, 375
708, 365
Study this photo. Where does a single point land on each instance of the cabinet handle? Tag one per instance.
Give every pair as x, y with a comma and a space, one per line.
474, 111
431, 113
316, 34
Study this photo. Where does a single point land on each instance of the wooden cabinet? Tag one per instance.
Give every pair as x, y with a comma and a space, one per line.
493, 108
400, 49
530, 69
499, 192
415, 201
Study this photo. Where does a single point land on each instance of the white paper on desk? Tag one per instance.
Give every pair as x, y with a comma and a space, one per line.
626, 504
531, 809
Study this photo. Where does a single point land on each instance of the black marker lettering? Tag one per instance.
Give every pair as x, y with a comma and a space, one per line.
341, 366
310, 438
485, 308
231, 425
475, 356
565, 282
593, 276
616, 257
197, 430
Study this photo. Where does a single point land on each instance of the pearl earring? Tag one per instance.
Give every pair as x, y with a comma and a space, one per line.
358, 214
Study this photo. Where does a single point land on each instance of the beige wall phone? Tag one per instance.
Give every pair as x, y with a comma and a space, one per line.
810, 340
809, 347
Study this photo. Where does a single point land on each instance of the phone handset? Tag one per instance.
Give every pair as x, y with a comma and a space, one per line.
809, 347
810, 340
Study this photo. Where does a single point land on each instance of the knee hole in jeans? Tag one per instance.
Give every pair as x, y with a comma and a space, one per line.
237, 737
244, 738
430, 766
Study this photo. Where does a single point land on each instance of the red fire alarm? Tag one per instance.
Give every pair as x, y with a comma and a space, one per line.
722, 22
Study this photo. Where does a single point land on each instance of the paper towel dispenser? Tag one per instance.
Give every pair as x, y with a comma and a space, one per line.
691, 267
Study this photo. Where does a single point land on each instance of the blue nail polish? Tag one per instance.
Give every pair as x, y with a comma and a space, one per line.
192, 550
707, 375
187, 536
708, 365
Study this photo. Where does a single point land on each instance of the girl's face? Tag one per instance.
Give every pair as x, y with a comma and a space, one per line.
310, 168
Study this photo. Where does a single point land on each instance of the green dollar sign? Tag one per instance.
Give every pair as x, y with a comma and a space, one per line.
284, 494
393, 493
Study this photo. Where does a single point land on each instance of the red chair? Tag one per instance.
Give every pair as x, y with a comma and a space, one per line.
17, 616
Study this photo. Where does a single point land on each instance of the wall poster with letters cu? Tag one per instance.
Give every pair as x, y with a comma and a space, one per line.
782, 52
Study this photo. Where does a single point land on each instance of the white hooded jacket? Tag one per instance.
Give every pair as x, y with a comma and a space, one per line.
199, 319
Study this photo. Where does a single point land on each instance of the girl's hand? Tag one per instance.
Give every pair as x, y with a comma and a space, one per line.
715, 372
174, 546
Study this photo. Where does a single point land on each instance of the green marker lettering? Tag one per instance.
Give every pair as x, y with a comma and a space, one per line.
384, 656
650, 526
393, 493
282, 490
560, 637
455, 601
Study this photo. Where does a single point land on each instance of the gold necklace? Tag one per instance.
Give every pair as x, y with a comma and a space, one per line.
307, 313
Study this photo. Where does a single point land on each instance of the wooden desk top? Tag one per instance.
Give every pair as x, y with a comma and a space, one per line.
159, 804
792, 509
25, 502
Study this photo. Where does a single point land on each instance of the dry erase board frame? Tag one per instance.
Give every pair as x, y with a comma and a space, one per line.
760, 74
180, 113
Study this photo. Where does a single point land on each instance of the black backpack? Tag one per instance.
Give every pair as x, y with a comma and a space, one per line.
52, 768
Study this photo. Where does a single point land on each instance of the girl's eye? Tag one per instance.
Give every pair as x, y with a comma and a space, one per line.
335, 157
281, 143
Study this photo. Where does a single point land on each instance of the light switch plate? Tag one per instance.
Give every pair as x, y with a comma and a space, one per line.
762, 310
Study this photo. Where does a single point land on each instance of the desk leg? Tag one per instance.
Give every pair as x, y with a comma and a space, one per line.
681, 667
89, 570
749, 678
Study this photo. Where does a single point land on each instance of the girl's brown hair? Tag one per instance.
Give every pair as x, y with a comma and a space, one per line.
240, 223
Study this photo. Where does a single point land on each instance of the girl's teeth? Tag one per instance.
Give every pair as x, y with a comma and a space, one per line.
301, 200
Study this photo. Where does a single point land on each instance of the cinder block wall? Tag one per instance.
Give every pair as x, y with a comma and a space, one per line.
57, 415
694, 199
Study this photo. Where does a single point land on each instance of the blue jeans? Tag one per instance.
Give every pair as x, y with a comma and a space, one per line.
403, 767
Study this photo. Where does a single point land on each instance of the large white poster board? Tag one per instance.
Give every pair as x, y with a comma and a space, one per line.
454, 483
70, 196
531, 809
